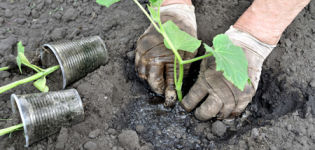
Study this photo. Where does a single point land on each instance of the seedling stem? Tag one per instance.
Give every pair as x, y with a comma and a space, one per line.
10, 129
36, 76
4, 68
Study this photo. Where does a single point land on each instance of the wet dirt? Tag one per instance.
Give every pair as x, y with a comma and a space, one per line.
116, 101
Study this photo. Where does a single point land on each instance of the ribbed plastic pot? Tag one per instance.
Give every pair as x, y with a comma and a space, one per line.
43, 114
76, 58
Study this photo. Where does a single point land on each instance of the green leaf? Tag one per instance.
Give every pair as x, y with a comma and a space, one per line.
21, 58
20, 47
106, 3
20, 55
230, 59
180, 39
155, 14
40, 84
156, 3
19, 63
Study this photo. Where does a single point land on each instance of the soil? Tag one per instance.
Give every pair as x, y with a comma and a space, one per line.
120, 110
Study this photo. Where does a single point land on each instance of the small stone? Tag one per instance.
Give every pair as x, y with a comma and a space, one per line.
312, 8
131, 55
57, 16
58, 34
69, 15
158, 132
6, 45
90, 146
112, 131
255, 133
148, 146
178, 135
145, 148
129, 140
48, 1
95, 133
140, 128
210, 136
27, 12
62, 139
4, 74
312, 83
35, 13
11, 148
289, 127
272, 147
218, 128
1, 20
20, 21
242, 145
201, 127
8, 13
106, 126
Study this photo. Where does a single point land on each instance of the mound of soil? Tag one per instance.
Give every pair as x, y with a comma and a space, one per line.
120, 110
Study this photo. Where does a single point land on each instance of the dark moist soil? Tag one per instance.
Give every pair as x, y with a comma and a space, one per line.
120, 110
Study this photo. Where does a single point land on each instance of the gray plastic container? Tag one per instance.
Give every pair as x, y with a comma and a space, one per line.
76, 58
44, 114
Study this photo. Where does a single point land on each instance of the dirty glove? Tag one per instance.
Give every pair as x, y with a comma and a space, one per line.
257, 31
222, 97
154, 62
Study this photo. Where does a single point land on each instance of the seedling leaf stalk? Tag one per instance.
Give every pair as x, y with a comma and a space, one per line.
230, 59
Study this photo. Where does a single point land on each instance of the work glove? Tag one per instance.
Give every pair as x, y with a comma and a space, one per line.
257, 32
222, 98
154, 62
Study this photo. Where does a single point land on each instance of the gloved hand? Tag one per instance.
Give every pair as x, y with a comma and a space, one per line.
257, 31
222, 97
154, 62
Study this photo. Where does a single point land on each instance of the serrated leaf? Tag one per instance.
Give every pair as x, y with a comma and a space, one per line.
155, 14
180, 39
156, 3
230, 59
106, 3
40, 84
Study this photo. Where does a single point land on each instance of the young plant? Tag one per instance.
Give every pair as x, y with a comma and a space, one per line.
40, 76
230, 59
40, 82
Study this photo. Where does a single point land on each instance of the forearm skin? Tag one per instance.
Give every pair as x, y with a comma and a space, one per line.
267, 19
170, 2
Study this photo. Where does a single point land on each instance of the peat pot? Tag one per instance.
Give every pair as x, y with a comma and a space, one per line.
43, 114
76, 58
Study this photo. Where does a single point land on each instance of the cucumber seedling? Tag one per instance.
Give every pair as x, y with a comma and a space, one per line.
230, 59
39, 78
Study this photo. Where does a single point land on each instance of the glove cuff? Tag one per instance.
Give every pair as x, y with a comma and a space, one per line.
183, 12
250, 41
256, 52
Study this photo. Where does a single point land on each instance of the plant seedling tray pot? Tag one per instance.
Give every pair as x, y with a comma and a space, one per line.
44, 114
76, 58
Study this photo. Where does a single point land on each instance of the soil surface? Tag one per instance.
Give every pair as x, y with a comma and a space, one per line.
122, 113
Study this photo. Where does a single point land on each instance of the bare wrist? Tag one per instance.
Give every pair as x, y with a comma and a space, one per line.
267, 19
170, 2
